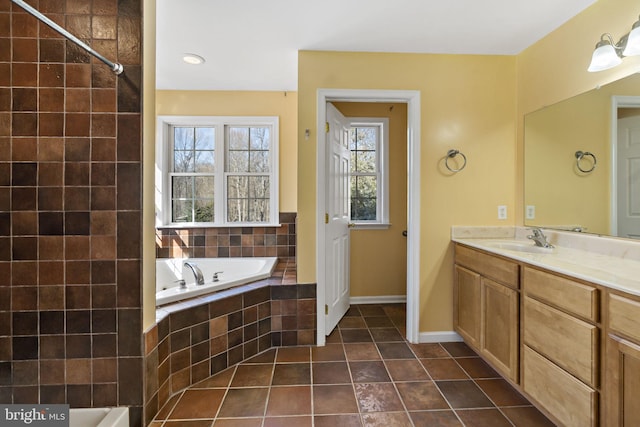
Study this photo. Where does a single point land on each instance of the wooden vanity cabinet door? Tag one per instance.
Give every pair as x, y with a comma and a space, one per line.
467, 305
622, 383
500, 327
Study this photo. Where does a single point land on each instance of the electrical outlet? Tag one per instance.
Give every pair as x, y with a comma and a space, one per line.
502, 212
530, 212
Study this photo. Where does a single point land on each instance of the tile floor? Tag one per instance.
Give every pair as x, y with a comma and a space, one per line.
366, 375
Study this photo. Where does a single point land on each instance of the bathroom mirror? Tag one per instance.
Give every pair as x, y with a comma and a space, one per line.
556, 192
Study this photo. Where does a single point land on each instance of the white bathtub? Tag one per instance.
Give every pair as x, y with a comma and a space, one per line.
232, 272
99, 417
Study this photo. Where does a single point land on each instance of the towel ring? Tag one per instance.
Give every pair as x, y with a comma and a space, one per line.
450, 155
580, 155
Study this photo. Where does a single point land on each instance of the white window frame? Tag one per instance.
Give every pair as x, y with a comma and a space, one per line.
382, 172
164, 152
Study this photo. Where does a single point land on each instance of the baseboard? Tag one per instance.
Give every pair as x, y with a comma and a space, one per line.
442, 336
385, 299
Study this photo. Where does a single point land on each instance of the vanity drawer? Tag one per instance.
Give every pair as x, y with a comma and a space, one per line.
624, 314
570, 401
566, 340
499, 269
574, 297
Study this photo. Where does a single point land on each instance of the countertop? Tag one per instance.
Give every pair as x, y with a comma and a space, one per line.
613, 263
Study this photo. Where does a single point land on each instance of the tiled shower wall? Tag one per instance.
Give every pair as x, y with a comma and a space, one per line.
224, 242
70, 206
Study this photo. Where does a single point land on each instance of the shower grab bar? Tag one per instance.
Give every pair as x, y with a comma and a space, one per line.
116, 67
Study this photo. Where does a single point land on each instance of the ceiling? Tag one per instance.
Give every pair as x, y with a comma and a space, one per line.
254, 44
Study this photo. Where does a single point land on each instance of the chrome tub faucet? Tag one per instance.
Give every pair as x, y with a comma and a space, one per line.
197, 273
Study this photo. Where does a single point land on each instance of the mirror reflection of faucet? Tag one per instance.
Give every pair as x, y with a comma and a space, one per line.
197, 273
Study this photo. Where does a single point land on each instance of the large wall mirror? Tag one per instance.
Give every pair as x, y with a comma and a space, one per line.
597, 192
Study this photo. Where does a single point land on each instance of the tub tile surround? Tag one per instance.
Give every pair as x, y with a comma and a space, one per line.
194, 339
608, 261
225, 242
70, 207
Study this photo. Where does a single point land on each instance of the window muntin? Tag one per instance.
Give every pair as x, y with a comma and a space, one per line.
217, 171
368, 174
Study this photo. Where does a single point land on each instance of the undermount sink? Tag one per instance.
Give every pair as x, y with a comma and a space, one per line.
519, 246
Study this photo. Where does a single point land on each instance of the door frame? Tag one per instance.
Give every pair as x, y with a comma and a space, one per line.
412, 99
617, 102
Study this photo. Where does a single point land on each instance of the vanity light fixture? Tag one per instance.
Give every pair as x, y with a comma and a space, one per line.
193, 59
609, 54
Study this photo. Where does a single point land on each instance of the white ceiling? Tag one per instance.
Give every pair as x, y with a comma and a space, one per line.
254, 44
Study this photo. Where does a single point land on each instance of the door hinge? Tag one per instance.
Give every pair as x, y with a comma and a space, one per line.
326, 309
326, 127
326, 218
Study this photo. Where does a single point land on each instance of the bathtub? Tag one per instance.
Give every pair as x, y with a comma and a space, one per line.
231, 272
99, 417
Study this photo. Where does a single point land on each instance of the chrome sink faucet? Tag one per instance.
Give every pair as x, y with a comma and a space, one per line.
539, 238
197, 273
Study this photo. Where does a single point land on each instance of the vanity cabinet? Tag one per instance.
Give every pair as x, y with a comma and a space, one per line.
622, 362
561, 346
486, 307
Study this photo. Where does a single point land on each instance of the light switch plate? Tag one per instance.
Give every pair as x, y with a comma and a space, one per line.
502, 212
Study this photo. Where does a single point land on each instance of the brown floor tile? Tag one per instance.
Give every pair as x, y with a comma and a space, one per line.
221, 379
371, 310
527, 416
395, 350
203, 403
328, 353
392, 310
429, 351
483, 418
164, 412
355, 335
378, 322
334, 399
502, 393
244, 402
406, 370
477, 368
368, 372
386, 419
463, 394
353, 311
386, 335
331, 373
268, 356
252, 376
435, 419
458, 349
348, 420
365, 351
444, 369
420, 396
238, 422
292, 374
352, 323
288, 421
379, 397
294, 400
334, 337
189, 423
293, 354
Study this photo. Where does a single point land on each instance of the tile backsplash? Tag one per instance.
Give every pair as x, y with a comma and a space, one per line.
224, 242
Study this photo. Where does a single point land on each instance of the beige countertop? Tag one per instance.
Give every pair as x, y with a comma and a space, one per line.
610, 262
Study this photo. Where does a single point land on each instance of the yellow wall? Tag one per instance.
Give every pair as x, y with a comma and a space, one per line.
244, 103
379, 257
555, 68
467, 102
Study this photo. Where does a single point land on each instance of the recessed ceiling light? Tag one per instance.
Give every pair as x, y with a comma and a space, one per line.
193, 59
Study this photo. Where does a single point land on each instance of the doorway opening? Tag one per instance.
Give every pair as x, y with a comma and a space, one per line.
326, 188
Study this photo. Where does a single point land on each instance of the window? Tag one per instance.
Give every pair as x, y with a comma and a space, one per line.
369, 171
217, 171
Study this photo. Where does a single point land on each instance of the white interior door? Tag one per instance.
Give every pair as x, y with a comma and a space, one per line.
337, 219
628, 179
